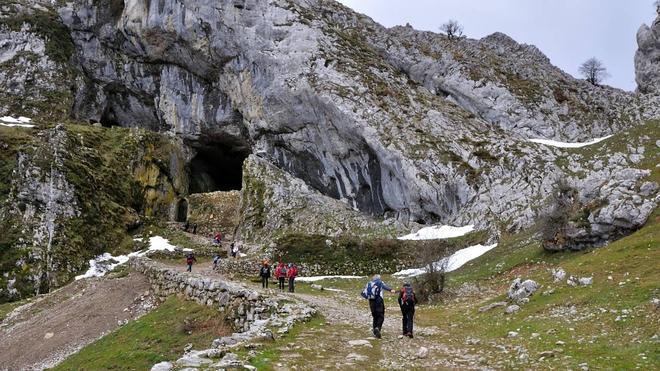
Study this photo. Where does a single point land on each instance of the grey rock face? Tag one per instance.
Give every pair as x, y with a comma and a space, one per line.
43, 199
647, 58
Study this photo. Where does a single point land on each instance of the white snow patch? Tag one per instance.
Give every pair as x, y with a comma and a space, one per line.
438, 232
319, 278
333, 290
105, 263
451, 263
23, 122
555, 143
158, 243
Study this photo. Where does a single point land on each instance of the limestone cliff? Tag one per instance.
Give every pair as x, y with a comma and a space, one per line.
305, 105
647, 58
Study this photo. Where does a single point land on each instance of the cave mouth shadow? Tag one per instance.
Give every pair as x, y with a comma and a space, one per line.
217, 167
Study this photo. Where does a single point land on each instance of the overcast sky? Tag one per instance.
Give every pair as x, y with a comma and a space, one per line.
567, 31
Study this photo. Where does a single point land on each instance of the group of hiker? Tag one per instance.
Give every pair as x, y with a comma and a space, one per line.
373, 292
283, 273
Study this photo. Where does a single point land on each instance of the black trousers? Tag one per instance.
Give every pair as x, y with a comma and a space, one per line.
281, 283
291, 286
189, 267
264, 282
377, 307
408, 312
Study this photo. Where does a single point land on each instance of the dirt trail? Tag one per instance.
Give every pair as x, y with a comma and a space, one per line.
45, 331
348, 319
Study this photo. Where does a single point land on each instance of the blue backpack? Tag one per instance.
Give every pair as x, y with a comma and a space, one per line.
371, 291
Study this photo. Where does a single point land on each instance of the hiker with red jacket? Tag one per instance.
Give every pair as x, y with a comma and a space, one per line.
190, 259
407, 301
217, 239
280, 274
291, 273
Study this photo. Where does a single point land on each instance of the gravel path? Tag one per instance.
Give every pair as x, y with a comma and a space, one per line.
45, 331
345, 341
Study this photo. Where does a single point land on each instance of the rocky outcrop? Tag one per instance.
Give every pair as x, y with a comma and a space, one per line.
274, 203
73, 192
647, 58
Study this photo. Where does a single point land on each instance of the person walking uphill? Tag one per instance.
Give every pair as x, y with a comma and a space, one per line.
190, 259
264, 273
407, 302
280, 274
292, 273
373, 291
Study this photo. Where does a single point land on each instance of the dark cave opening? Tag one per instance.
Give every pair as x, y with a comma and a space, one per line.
182, 210
217, 167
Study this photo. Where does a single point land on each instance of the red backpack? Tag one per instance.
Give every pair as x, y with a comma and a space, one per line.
407, 295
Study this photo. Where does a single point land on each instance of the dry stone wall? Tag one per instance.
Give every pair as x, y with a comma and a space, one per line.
242, 306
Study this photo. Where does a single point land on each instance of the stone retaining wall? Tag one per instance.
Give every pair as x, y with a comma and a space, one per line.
242, 306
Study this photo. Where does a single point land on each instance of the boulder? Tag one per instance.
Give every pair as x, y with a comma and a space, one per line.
512, 309
162, 366
520, 289
558, 274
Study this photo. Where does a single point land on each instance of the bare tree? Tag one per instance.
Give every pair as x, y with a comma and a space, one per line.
593, 71
435, 261
453, 29
555, 222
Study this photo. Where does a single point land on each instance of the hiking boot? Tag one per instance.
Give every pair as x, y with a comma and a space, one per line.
377, 333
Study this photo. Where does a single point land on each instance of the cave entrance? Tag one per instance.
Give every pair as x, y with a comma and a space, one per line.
182, 210
217, 167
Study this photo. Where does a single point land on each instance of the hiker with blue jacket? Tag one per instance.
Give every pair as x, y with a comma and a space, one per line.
407, 301
373, 291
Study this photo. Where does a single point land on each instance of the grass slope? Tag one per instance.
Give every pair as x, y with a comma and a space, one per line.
610, 324
158, 336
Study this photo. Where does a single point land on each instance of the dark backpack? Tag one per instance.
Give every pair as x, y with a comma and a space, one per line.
265, 272
371, 291
407, 295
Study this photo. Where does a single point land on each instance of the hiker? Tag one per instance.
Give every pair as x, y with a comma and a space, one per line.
216, 261
186, 226
217, 239
194, 228
280, 274
291, 273
190, 259
264, 273
407, 301
234, 250
373, 291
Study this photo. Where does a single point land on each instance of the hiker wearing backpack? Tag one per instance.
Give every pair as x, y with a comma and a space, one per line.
373, 291
190, 259
280, 274
216, 261
264, 273
407, 302
291, 273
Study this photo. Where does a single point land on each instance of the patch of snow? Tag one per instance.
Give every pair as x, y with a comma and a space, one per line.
451, 263
555, 143
333, 290
158, 243
438, 232
319, 278
105, 263
23, 122
20, 120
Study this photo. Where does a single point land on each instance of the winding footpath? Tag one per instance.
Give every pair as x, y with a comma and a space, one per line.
344, 340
